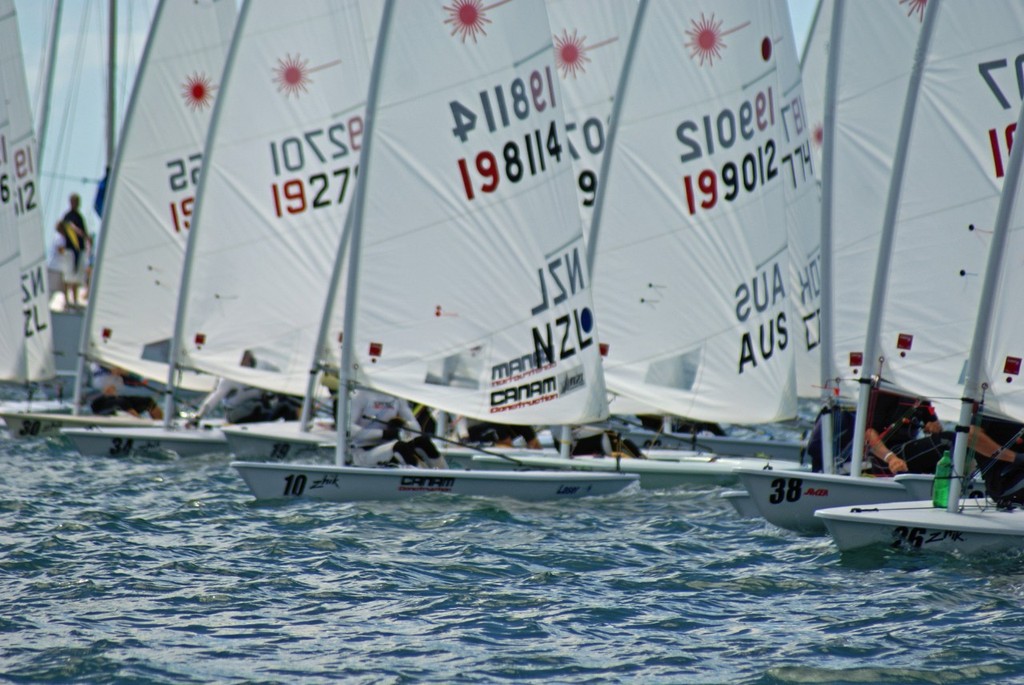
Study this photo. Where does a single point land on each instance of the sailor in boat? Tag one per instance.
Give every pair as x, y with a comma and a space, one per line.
244, 403
599, 441
496, 434
904, 435
111, 382
378, 421
998, 448
679, 424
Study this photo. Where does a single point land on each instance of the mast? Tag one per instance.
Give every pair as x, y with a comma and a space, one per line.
174, 353
83, 345
345, 379
111, 81
53, 42
325, 325
973, 379
602, 176
827, 187
879, 288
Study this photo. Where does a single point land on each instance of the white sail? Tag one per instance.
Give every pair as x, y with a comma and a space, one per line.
591, 38
813, 62
692, 266
871, 88
1002, 358
152, 192
803, 208
280, 170
26, 353
966, 110
472, 292
590, 41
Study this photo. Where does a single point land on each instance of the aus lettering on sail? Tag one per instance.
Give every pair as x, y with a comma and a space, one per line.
761, 311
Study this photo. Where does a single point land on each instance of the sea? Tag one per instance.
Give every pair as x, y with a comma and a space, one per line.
166, 570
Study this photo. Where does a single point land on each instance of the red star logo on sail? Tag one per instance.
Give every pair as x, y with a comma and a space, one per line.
468, 17
292, 74
197, 91
915, 7
571, 52
706, 36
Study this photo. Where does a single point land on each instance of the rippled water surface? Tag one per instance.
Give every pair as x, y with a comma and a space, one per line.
167, 571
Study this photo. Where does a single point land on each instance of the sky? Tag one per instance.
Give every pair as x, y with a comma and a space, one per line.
75, 147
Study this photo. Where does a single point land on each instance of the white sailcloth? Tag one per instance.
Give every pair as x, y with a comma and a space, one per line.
472, 292
26, 350
692, 266
1002, 358
871, 85
151, 198
813, 63
280, 170
803, 208
590, 40
965, 115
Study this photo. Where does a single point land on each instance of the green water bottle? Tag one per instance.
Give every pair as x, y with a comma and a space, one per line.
940, 487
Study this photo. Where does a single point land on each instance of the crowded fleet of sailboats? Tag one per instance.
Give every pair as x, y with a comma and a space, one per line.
544, 213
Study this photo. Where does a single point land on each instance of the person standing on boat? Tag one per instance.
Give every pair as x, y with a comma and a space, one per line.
244, 403
376, 431
74, 245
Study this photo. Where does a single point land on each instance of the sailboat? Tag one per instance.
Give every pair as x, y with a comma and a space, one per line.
149, 208
863, 91
26, 347
465, 150
980, 372
590, 43
276, 189
700, 264
47, 332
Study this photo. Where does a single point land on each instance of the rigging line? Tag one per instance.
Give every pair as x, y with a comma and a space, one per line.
43, 57
71, 98
72, 177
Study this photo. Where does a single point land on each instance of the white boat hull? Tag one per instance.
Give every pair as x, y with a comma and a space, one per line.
662, 468
278, 440
742, 503
919, 525
788, 499
350, 484
67, 335
119, 442
718, 444
49, 424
